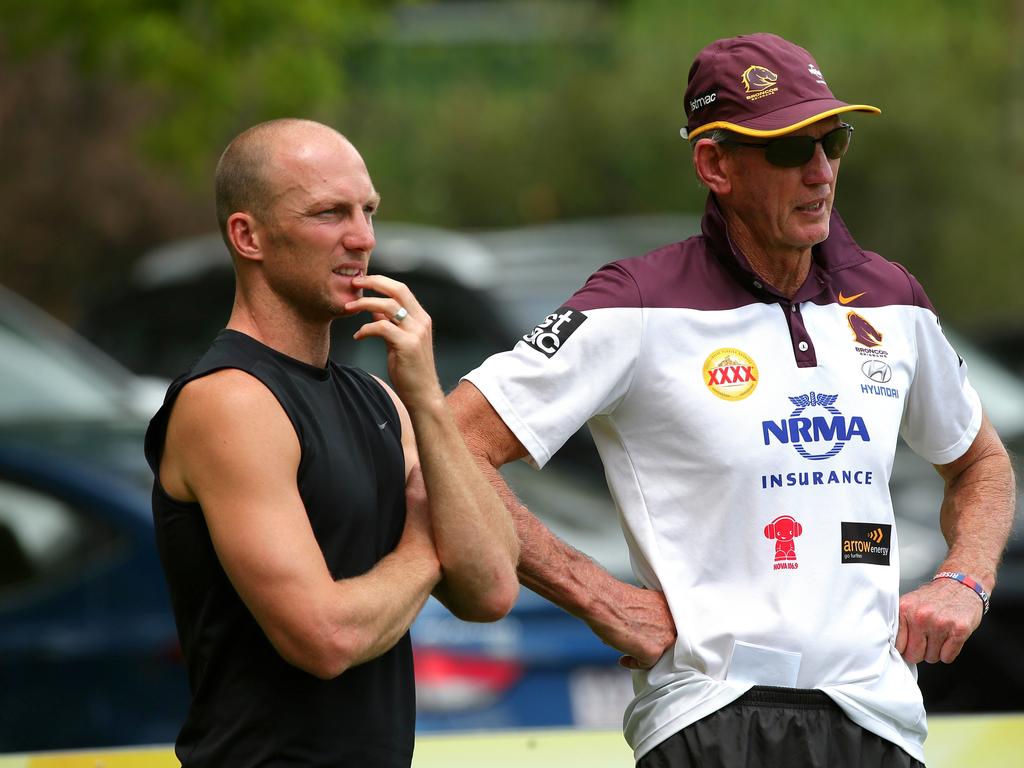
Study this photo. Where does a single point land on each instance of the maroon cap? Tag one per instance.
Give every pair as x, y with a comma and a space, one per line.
758, 85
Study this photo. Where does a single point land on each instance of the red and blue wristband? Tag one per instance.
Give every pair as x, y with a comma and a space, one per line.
967, 581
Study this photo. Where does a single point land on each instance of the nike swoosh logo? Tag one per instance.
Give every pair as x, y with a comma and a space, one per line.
847, 299
382, 426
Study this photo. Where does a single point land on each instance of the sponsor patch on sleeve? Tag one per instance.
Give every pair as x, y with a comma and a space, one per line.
866, 543
548, 337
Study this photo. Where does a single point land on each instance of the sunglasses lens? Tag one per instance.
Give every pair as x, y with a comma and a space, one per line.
835, 143
794, 151
789, 151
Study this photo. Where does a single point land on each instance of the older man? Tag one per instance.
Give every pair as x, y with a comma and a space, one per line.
746, 389
291, 492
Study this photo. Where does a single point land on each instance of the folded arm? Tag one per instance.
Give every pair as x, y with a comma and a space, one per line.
231, 447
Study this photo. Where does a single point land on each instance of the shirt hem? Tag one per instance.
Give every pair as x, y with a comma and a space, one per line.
962, 445
676, 724
877, 727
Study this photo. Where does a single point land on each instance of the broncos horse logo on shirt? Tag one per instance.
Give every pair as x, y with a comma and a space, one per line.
863, 332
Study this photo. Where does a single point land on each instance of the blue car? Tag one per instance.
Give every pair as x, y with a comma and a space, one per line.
88, 649
537, 667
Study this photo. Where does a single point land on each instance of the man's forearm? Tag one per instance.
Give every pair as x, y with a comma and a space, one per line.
381, 605
473, 533
547, 565
633, 620
937, 618
330, 628
977, 514
475, 541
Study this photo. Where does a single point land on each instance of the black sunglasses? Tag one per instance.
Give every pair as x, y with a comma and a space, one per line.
794, 151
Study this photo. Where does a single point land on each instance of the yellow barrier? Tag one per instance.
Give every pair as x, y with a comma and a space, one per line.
975, 741
148, 757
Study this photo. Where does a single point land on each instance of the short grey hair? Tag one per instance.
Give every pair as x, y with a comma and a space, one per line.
717, 135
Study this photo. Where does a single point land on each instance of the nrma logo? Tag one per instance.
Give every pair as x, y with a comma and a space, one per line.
815, 430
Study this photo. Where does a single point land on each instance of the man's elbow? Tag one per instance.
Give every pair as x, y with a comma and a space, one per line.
322, 667
499, 600
323, 654
488, 605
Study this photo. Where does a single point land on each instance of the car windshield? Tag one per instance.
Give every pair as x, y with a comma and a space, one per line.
39, 380
541, 266
49, 372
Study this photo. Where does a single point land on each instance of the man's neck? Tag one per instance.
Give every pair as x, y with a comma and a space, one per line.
784, 270
279, 328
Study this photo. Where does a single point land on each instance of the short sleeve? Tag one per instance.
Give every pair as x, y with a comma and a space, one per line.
943, 412
577, 363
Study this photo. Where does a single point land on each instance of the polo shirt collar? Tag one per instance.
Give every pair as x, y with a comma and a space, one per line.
838, 251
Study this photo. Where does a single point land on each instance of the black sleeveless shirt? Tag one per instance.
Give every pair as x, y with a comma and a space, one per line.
249, 706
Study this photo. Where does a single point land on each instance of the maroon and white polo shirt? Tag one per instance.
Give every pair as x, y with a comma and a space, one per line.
748, 442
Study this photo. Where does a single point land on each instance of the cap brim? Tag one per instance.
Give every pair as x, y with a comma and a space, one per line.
781, 122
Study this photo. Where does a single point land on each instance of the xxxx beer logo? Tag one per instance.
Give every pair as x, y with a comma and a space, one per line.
730, 374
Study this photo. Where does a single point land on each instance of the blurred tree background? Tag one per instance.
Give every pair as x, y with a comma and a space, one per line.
485, 113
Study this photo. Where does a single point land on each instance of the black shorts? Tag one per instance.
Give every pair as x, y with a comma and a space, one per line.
772, 727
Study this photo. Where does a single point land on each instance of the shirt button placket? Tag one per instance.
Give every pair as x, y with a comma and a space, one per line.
802, 349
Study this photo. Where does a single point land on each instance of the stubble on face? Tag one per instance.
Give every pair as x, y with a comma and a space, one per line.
782, 212
313, 173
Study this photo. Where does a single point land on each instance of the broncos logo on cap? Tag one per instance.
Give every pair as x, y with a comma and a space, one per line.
757, 78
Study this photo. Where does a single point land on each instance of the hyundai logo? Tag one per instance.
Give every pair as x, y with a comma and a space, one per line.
877, 371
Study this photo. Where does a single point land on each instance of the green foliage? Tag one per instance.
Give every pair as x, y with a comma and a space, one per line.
498, 135
561, 109
212, 66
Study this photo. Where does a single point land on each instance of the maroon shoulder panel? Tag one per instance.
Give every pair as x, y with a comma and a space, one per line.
875, 282
705, 272
678, 276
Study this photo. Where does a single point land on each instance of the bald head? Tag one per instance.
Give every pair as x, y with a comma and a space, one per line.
245, 178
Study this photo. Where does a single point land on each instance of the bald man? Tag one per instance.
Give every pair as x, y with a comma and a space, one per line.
291, 493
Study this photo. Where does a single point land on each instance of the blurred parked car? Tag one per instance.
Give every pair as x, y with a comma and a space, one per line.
539, 666
178, 297
88, 649
1005, 343
47, 371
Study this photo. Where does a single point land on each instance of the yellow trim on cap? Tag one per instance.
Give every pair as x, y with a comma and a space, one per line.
780, 131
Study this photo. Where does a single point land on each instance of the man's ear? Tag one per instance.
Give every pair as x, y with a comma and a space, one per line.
711, 163
245, 236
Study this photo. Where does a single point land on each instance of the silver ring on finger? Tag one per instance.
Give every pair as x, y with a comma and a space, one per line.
399, 316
